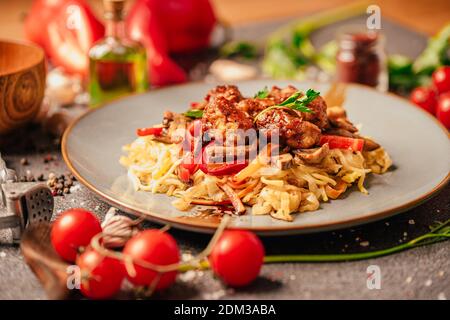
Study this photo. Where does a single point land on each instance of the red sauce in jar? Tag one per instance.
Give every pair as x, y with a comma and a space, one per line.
361, 59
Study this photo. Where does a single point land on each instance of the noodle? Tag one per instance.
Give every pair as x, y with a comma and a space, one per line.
269, 190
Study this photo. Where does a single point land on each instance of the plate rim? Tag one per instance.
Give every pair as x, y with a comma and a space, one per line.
209, 227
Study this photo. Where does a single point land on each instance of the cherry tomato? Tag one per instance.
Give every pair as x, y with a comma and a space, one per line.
72, 230
441, 79
424, 98
156, 247
101, 277
142, 132
237, 257
338, 142
443, 110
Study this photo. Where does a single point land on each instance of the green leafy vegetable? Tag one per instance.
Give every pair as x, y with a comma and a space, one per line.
194, 113
289, 50
435, 54
261, 94
242, 49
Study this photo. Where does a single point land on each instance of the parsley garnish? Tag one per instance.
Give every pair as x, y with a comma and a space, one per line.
296, 103
194, 113
300, 104
262, 93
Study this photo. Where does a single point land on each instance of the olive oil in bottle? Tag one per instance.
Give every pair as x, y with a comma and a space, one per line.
118, 65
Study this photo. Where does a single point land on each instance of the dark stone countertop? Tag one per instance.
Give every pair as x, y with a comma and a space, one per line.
420, 273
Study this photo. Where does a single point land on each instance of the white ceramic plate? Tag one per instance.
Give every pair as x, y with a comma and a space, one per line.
418, 145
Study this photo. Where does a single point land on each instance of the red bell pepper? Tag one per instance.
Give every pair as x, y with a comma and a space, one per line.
338, 142
184, 174
224, 169
155, 131
142, 25
187, 24
66, 29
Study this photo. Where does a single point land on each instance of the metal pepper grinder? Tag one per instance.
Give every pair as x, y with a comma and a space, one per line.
22, 203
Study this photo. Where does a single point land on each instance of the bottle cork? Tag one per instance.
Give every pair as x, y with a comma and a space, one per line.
114, 9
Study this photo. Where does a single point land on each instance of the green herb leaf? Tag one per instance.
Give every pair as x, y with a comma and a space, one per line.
300, 104
305, 100
261, 94
291, 99
194, 113
294, 102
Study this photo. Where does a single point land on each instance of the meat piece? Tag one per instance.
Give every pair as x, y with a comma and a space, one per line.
318, 116
311, 156
229, 92
254, 106
340, 132
295, 132
338, 119
278, 95
318, 105
222, 114
284, 161
369, 144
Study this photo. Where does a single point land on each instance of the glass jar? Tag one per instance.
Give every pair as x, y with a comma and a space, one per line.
361, 58
118, 65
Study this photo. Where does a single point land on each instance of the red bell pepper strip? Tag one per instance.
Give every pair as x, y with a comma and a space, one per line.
155, 131
184, 174
191, 163
338, 142
66, 29
142, 25
224, 169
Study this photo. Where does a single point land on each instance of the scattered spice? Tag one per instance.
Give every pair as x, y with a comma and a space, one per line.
364, 243
59, 185
24, 161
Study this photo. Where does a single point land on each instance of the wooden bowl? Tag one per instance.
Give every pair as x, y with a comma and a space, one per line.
22, 83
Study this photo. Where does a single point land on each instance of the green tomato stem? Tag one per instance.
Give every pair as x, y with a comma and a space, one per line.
436, 234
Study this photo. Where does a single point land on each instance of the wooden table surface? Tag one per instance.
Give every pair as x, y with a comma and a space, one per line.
421, 15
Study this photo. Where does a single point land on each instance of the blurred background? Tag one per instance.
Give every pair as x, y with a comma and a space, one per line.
421, 15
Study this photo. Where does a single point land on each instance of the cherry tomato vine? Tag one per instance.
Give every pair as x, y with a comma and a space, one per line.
151, 258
